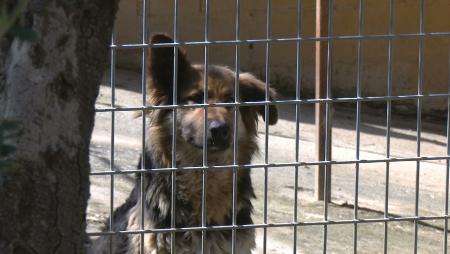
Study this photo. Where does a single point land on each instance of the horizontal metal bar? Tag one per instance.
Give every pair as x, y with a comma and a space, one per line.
277, 102
273, 225
274, 165
283, 40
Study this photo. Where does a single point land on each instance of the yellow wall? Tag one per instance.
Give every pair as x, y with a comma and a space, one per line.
283, 57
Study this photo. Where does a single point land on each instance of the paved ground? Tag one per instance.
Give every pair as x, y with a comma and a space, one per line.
127, 137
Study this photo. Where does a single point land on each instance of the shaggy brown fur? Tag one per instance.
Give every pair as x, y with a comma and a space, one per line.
189, 146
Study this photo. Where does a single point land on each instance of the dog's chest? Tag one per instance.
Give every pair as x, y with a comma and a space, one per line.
218, 193
215, 242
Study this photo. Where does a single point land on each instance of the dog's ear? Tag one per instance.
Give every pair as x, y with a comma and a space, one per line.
160, 68
252, 89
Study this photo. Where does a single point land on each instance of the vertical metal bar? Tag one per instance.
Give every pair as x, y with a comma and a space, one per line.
419, 119
322, 8
447, 171
298, 76
266, 116
235, 125
144, 103
143, 72
388, 123
174, 130
358, 123
111, 162
327, 176
205, 127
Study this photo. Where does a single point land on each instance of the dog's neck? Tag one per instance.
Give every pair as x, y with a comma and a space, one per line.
189, 156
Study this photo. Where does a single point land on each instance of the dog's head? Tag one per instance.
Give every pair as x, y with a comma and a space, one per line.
190, 90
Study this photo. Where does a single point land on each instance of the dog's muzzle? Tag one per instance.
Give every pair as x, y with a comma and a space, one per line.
219, 134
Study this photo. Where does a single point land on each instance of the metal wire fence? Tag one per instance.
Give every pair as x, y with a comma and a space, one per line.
328, 101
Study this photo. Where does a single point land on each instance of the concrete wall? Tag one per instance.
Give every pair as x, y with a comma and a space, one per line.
283, 61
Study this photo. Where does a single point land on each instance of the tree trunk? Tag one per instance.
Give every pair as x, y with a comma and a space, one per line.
49, 88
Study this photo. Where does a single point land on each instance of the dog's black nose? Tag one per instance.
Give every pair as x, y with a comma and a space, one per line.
220, 132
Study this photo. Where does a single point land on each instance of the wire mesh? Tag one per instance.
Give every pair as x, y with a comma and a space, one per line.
329, 102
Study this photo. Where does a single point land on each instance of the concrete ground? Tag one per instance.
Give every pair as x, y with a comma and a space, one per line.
402, 180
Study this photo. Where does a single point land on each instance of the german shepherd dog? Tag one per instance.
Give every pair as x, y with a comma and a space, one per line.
189, 145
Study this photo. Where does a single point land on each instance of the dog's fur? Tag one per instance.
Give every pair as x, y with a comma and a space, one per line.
190, 131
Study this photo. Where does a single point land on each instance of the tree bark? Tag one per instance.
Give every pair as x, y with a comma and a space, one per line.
49, 88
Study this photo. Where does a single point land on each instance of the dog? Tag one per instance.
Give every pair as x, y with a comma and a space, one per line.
189, 150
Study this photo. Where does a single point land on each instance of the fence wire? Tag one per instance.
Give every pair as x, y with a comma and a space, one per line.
298, 102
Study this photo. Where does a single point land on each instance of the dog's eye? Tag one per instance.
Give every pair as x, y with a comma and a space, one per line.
196, 99
229, 100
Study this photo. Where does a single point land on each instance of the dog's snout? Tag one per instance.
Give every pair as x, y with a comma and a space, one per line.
220, 132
